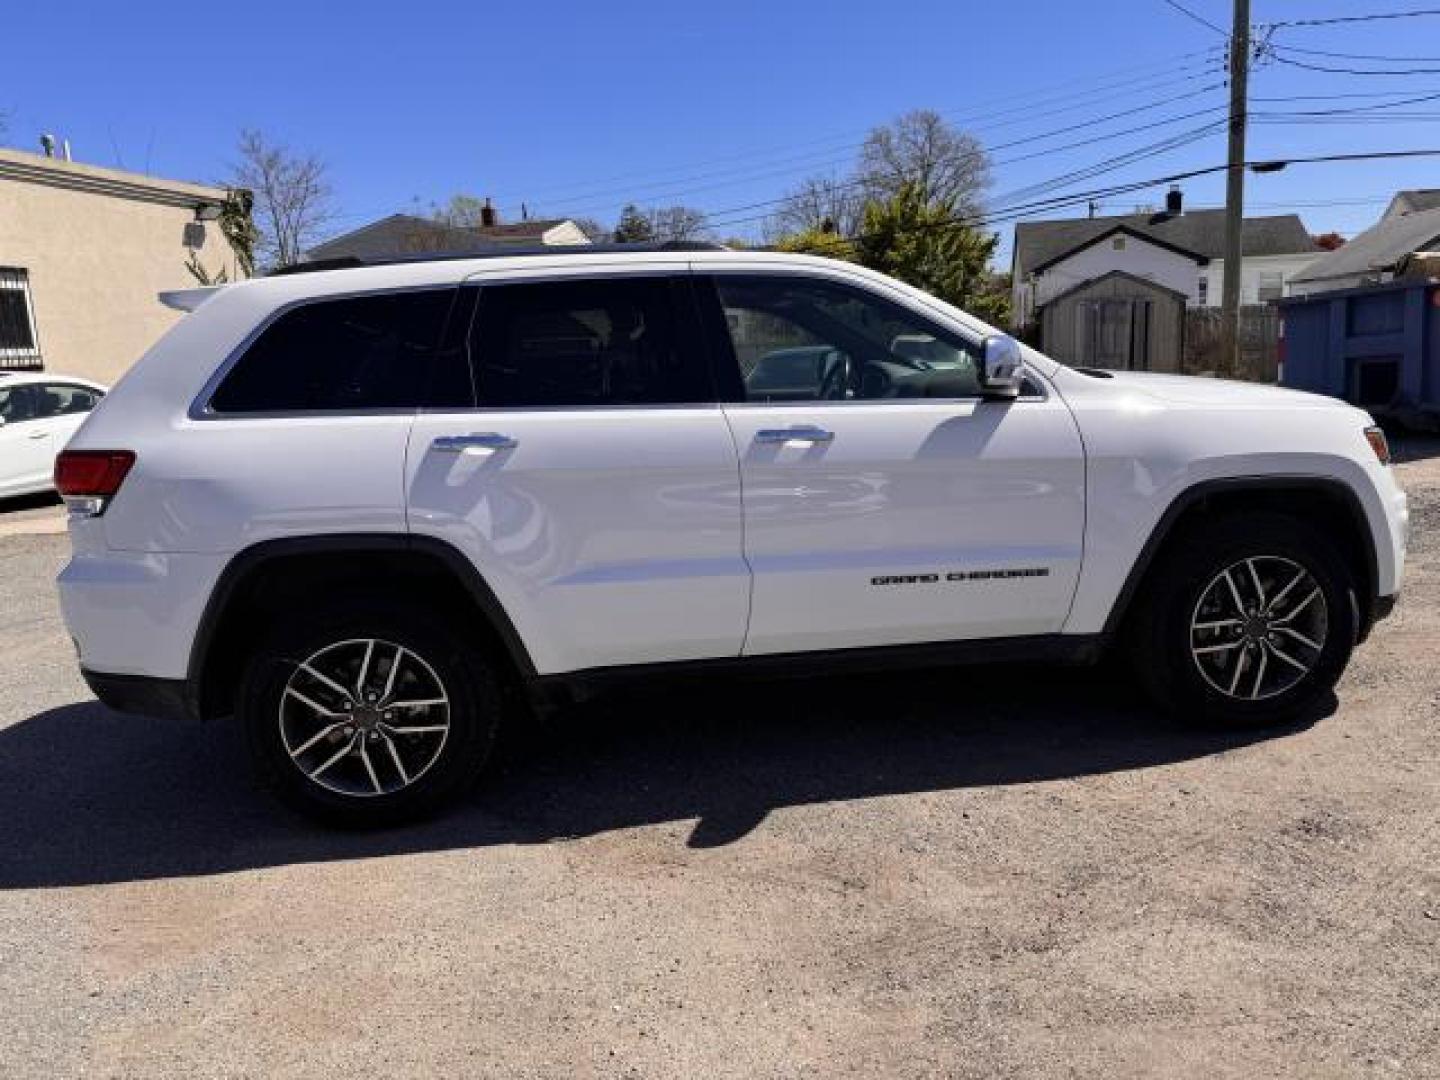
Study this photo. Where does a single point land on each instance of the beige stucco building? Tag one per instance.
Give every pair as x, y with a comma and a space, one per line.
83, 253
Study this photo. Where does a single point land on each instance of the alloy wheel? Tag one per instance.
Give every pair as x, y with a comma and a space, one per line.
1259, 627
364, 717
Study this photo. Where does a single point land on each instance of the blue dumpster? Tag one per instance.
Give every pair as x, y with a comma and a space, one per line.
1377, 347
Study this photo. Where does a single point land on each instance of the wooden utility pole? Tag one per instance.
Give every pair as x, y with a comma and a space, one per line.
1235, 190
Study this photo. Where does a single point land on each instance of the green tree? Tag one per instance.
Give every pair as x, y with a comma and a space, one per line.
925, 243
820, 242
634, 226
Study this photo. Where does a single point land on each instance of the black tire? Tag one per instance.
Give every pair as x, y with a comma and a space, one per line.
1185, 669
442, 764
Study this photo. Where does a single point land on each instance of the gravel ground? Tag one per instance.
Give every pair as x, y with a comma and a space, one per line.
1020, 873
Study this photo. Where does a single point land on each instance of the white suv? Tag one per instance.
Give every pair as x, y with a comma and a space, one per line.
355, 507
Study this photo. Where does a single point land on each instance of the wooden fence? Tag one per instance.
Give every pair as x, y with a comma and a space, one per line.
1259, 341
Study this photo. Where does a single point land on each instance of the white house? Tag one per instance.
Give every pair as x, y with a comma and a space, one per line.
1181, 251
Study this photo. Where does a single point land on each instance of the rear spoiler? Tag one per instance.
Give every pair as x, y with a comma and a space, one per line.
188, 299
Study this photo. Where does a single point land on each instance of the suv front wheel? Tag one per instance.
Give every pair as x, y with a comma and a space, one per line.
1247, 621
370, 717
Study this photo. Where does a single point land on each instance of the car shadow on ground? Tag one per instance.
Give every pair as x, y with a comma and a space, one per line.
15, 503
90, 796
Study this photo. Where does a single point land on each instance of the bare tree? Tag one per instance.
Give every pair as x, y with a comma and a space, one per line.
818, 204
677, 223
920, 148
293, 197
593, 229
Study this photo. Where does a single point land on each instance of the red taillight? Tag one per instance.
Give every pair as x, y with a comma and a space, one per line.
89, 478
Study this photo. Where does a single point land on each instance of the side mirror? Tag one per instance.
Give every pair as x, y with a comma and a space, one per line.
1001, 368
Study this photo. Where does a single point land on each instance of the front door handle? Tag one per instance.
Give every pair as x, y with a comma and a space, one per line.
460, 444
801, 433
39, 435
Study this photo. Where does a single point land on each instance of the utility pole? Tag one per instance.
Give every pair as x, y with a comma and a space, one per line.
1235, 190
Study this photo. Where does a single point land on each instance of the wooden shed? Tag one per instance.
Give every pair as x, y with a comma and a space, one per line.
1117, 321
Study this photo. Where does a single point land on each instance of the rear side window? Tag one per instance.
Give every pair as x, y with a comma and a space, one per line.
584, 344
362, 352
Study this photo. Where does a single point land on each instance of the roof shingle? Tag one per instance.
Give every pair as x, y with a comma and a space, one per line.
1379, 247
407, 234
1200, 231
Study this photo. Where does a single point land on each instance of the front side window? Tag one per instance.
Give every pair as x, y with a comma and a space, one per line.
583, 344
18, 345
354, 353
803, 339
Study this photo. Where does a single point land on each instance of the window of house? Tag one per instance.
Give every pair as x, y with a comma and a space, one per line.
1118, 243
19, 344
1202, 291
1272, 285
802, 339
359, 352
583, 344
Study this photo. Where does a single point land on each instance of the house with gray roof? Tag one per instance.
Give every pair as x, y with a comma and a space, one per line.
1180, 251
1408, 202
1374, 256
409, 234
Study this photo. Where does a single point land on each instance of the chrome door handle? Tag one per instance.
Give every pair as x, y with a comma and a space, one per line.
804, 433
459, 444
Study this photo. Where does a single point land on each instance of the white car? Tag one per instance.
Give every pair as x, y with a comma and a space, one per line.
38, 415
361, 510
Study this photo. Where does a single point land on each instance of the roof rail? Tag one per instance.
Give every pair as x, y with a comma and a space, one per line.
494, 251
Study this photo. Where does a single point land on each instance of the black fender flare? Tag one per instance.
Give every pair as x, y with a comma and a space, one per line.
251, 560
1206, 489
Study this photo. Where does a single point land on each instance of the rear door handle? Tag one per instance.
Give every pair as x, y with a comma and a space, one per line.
39, 435
802, 433
488, 440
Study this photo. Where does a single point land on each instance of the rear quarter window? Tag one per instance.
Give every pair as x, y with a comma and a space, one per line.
344, 355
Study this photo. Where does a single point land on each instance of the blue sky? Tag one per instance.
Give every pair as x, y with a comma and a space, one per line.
576, 108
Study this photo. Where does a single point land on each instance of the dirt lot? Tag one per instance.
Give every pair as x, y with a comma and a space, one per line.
1020, 873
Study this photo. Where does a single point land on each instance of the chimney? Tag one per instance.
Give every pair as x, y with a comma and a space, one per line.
488, 218
1174, 201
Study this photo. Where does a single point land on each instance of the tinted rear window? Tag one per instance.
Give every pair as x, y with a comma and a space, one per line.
363, 352
584, 344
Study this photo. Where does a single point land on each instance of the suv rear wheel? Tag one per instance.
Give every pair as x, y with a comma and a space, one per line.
370, 717
1247, 622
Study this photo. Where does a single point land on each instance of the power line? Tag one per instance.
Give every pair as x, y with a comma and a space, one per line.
1418, 13
1066, 90
1380, 107
1364, 56
1275, 52
1080, 198
846, 185
1197, 18
581, 201
721, 218
1332, 97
